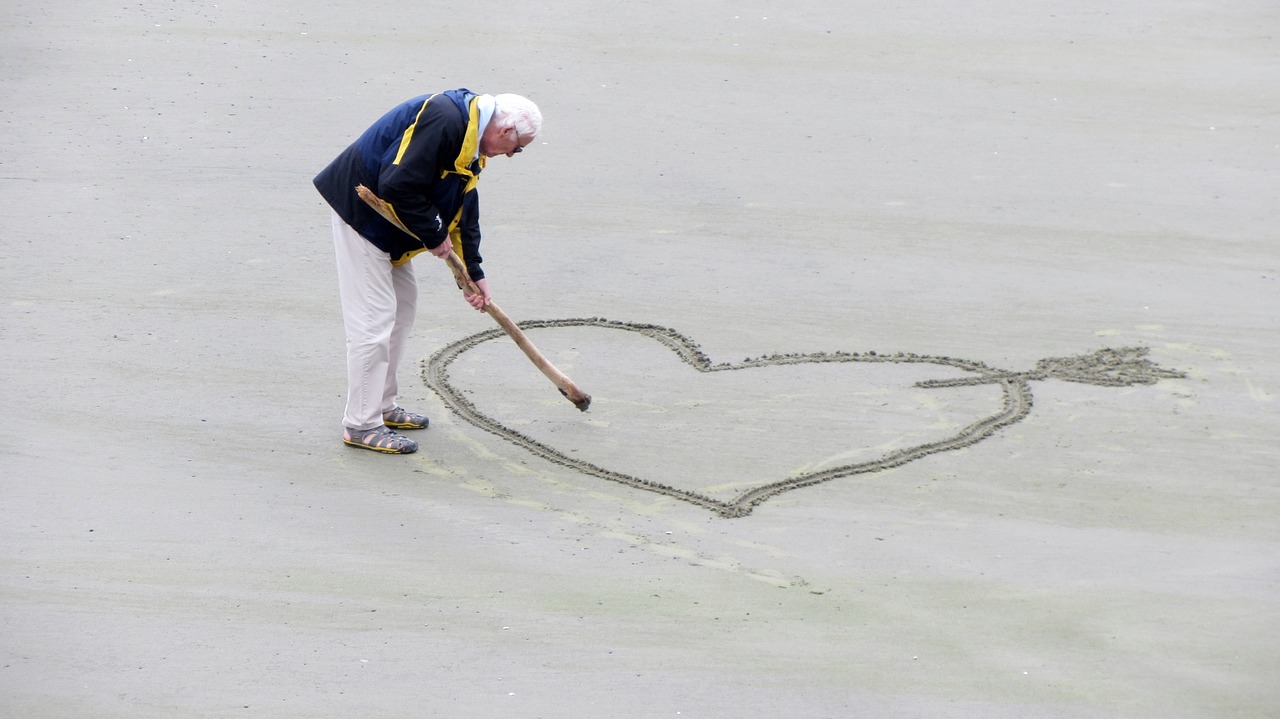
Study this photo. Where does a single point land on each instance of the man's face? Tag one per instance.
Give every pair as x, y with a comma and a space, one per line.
501, 141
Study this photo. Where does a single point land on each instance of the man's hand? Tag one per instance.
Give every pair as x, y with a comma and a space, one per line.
442, 250
481, 300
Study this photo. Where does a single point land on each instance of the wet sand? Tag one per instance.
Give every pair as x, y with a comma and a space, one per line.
880, 224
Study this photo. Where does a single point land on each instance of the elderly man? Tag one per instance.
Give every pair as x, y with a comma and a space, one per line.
423, 159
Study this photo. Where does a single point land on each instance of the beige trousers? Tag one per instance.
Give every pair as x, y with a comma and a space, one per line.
379, 301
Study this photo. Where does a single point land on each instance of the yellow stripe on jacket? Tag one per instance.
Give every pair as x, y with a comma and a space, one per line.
407, 137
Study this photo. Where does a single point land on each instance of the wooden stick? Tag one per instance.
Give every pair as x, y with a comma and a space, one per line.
580, 399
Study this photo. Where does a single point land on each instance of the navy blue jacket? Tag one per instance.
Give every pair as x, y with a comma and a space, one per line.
421, 159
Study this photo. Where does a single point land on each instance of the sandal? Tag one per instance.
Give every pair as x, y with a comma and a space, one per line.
401, 418
379, 439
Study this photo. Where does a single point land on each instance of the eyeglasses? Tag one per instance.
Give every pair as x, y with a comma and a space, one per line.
518, 149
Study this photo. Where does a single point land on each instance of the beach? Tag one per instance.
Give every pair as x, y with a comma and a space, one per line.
932, 354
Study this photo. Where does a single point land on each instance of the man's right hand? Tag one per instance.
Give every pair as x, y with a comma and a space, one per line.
442, 250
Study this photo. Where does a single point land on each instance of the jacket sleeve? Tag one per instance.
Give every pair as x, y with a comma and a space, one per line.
469, 234
413, 165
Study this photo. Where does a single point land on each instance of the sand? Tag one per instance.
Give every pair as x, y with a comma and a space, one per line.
927, 479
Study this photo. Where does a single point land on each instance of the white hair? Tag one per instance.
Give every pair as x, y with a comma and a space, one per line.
519, 112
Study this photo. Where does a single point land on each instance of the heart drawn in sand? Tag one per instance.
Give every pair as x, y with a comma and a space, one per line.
1116, 367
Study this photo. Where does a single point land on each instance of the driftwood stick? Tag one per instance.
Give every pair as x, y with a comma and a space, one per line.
580, 399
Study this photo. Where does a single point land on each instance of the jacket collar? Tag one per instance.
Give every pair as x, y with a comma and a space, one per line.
470, 152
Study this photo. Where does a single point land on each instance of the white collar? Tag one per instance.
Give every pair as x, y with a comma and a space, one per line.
486, 105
